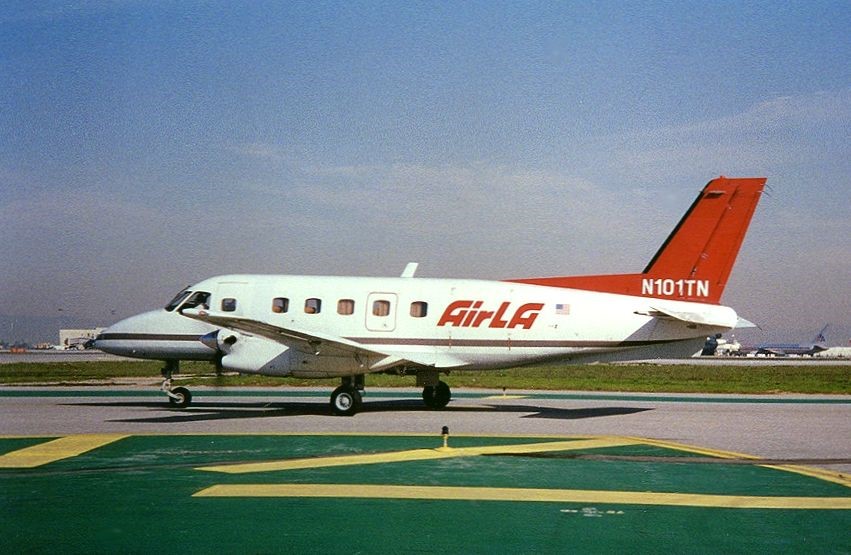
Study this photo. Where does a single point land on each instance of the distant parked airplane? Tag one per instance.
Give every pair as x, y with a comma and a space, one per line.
818, 344
346, 327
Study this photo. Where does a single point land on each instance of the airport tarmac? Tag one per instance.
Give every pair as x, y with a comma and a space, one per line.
105, 469
792, 427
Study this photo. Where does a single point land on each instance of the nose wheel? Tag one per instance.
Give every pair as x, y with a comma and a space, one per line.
179, 397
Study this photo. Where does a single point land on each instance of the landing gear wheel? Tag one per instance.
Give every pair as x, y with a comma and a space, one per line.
346, 401
437, 396
181, 398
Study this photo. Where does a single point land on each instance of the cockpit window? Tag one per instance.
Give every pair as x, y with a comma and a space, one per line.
187, 299
199, 299
179, 298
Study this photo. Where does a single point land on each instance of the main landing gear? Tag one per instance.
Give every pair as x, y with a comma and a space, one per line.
179, 397
347, 399
437, 396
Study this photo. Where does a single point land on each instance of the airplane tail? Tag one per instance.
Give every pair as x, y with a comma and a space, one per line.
820, 338
695, 261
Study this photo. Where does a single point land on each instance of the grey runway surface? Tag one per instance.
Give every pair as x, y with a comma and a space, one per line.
810, 430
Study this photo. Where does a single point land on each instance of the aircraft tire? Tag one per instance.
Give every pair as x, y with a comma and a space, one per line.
184, 397
346, 401
437, 397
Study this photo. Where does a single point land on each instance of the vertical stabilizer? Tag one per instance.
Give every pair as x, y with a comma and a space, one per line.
695, 261
820, 338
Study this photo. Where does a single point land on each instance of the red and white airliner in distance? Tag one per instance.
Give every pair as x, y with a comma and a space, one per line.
347, 327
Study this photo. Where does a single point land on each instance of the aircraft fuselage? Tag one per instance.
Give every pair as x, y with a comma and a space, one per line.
470, 324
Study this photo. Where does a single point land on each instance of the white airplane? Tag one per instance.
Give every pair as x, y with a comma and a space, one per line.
347, 327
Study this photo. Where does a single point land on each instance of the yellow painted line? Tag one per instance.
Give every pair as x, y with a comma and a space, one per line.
419, 455
506, 397
697, 450
449, 493
812, 472
58, 449
821, 474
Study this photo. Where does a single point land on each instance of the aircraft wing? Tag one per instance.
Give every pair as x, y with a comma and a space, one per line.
323, 344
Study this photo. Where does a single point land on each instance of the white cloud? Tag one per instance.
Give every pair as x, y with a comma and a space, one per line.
820, 108
784, 131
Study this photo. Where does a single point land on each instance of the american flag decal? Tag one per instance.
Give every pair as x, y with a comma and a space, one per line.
562, 309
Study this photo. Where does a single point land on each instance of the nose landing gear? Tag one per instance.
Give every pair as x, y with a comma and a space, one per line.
179, 397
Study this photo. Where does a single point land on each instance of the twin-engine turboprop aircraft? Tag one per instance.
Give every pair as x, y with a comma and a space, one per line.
347, 327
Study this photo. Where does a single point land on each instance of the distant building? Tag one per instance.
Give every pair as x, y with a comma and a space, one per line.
76, 339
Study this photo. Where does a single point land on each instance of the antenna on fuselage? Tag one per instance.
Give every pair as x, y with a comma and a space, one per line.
410, 269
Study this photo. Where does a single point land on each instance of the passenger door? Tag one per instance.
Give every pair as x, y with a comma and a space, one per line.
381, 311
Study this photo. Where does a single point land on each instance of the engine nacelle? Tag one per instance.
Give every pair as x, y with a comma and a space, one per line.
254, 355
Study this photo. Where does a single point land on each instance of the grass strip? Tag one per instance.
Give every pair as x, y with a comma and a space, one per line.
676, 378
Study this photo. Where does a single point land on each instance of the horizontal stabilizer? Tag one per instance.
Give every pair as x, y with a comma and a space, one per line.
742, 323
718, 317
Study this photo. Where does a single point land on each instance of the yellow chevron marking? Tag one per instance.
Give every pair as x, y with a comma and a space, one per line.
420, 455
58, 449
444, 493
812, 472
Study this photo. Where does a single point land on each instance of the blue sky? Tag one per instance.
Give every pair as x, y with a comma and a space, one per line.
147, 145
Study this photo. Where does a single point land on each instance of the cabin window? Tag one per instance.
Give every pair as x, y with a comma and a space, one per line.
228, 305
280, 305
312, 306
345, 307
419, 309
381, 308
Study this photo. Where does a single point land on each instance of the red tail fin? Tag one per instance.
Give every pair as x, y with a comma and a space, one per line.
695, 261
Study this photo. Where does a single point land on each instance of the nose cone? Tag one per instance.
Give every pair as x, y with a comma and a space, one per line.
211, 340
157, 335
